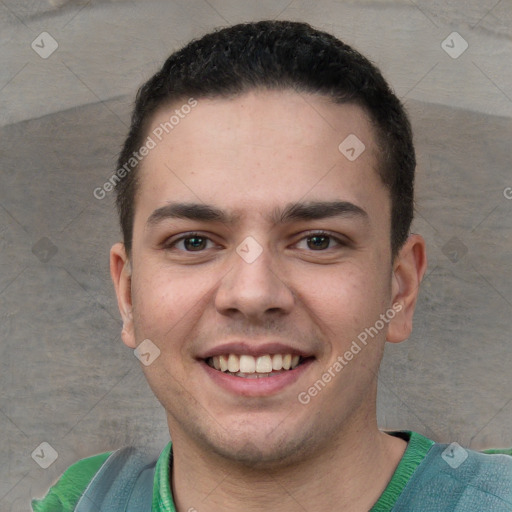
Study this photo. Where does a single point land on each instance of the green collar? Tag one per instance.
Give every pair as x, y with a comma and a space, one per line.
417, 448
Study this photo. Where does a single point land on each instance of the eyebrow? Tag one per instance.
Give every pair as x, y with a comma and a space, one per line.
190, 211
319, 210
292, 212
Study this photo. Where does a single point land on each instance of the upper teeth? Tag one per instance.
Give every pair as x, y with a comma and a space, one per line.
249, 364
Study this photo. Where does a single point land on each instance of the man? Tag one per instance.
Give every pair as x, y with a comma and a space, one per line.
265, 194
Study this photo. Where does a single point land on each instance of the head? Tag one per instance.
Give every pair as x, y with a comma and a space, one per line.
278, 55
292, 247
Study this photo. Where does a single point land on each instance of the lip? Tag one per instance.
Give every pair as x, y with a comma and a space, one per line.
265, 386
242, 347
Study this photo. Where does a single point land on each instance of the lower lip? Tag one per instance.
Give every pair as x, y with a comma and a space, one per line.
264, 386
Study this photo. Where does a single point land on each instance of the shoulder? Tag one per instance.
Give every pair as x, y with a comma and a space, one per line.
489, 474
64, 495
460, 479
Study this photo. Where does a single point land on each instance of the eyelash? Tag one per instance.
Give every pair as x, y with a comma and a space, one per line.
321, 233
310, 234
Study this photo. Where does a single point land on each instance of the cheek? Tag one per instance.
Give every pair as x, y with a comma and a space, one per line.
161, 302
347, 298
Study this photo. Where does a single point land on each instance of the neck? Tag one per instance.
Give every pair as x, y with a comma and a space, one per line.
349, 474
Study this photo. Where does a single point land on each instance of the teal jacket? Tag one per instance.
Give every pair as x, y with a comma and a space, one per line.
430, 477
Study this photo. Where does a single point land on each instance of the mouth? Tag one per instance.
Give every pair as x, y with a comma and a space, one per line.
247, 366
256, 369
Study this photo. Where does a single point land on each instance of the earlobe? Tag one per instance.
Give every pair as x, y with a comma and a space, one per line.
120, 271
408, 271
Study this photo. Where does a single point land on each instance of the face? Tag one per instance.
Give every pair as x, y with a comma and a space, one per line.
258, 245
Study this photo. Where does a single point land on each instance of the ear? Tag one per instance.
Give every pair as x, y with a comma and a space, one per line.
408, 270
120, 270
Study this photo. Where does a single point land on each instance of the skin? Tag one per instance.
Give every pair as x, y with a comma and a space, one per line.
251, 156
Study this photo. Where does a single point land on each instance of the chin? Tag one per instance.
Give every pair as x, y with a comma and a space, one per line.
260, 448
253, 456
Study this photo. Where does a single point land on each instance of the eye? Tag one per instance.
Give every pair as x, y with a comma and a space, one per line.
320, 241
191, 242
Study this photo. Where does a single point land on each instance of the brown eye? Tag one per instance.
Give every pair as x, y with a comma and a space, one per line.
318, 242
194, 243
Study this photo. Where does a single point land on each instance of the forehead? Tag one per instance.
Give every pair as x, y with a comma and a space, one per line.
260, 150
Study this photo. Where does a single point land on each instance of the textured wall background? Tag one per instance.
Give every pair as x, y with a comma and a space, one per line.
65, 376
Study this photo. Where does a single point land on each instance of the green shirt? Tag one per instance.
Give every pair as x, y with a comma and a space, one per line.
64, 495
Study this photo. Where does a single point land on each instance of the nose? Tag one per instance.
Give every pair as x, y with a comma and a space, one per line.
254, 289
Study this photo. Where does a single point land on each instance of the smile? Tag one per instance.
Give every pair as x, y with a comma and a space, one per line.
249, 367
